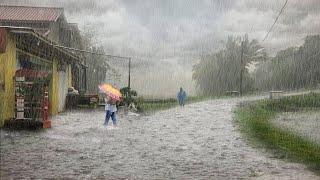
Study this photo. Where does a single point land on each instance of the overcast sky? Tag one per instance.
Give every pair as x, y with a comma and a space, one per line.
174, 33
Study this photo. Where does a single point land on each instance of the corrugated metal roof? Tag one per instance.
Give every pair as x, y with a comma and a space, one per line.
27, 13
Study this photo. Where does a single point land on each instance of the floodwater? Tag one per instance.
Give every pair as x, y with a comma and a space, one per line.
199, 141
306, 124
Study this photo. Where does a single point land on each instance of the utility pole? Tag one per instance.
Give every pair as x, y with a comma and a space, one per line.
128, 95
129, 77
241, 68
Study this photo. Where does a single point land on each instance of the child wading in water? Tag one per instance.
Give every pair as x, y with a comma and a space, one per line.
111, 110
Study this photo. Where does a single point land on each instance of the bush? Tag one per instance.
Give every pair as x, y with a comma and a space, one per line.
128, 96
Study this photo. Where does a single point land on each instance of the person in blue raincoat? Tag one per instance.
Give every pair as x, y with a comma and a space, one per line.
182, 95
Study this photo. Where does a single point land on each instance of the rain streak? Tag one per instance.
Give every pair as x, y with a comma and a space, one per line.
139, 89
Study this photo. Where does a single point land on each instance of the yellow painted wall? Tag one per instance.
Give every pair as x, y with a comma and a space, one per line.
7, 70
54, 89
1, 106
7, 73
1, 88
69, 76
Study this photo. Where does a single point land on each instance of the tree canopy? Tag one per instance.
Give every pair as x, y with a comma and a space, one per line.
220, 72
292, 68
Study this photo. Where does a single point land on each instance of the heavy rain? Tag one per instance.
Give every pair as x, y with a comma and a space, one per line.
160, 89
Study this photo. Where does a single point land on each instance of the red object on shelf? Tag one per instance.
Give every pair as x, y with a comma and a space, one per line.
31, 73
39, 104
46, 124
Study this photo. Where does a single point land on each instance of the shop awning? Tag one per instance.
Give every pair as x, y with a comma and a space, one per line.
30, 41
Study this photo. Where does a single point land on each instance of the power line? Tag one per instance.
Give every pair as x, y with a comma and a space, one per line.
101, 54
284, 5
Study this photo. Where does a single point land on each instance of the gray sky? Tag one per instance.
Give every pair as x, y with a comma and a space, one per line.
172, 34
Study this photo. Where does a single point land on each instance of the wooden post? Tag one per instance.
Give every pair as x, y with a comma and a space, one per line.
241, 68
129, 76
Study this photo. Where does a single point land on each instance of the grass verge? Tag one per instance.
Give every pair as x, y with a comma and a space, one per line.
153, 105
253, 119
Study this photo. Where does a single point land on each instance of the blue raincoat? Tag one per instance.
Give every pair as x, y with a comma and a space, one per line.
182, 95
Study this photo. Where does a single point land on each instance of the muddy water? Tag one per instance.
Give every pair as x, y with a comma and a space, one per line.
198, 141
305, 124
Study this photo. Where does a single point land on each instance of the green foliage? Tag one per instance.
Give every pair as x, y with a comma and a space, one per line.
139, 103
129, 95
220, 72
152, 105
293, 103
254, 121
292, 68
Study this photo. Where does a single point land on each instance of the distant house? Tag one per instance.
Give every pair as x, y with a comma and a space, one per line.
29, 39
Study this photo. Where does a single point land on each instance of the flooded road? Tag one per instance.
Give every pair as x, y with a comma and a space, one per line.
199, 141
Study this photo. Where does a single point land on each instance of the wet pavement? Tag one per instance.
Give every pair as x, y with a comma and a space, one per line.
199, 141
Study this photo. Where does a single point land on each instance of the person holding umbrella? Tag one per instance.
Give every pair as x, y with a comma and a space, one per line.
111, 109
112, 96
